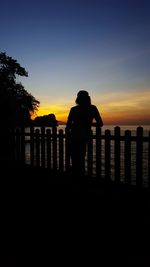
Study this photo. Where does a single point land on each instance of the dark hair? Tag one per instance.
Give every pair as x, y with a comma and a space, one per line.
83, 98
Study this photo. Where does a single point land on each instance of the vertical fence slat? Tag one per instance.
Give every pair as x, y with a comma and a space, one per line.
32, 146
48, 147
90, 155
127, 156
61, 151
107, 154
43, 147
37, 148
98, 152
117, 154
22, 147
18, 149
54, 147
139, 156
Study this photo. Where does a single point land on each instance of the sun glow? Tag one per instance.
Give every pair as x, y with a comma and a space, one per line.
115, 108
60, 111
125, 107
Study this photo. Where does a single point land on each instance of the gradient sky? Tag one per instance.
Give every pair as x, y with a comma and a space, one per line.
102, 46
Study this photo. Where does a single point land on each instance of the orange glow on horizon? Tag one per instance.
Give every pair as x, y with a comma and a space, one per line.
121, 108
61, 115
122, 118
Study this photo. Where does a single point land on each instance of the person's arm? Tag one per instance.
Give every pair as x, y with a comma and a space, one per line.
69, 120
97, 118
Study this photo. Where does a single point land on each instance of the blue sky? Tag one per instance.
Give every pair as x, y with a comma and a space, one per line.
67, 45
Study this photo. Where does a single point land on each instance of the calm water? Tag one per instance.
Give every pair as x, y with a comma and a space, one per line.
133, 152
132, 128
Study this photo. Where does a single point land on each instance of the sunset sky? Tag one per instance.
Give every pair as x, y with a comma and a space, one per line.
102, 46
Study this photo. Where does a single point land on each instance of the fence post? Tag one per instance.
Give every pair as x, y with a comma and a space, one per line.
37, 147
49, 155
107, 154
61, 151
54, 146
43, 147
22, 146
127, 156
139, 156
18, 149
32, 146
117, 154
98, 152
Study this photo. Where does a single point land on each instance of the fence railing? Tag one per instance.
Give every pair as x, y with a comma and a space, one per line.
122, 157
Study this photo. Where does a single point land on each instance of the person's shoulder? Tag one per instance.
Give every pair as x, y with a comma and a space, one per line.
93, 107
73, 108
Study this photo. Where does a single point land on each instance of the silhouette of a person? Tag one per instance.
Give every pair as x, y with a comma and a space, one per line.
79, 124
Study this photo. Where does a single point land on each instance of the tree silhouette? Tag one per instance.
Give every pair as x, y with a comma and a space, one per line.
16, 104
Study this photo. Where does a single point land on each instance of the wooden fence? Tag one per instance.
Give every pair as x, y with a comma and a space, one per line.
119, 157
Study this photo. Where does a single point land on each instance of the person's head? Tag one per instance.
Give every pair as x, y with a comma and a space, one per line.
83, 98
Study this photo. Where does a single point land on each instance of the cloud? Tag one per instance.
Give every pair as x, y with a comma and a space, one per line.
124, 101
125, 107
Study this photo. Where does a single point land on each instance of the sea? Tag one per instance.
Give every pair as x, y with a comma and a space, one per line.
123, 128
132, 128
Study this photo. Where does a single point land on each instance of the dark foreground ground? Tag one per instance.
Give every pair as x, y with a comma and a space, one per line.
50, 218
